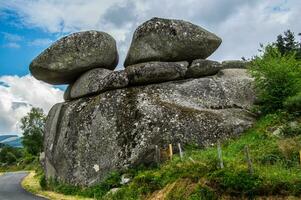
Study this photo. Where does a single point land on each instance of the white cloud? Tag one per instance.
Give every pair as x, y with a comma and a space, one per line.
241, 24
12, 40
12, 37
40, 42
12, 45
18, 95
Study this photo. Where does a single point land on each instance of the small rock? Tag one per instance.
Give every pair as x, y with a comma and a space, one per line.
96, 81
277, 132
125, 179
113, 191
170, 40
234, 73
200, 68
155, 72
239, 64
65, 60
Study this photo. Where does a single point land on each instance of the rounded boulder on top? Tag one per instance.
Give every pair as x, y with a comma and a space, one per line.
69, 57
170, 40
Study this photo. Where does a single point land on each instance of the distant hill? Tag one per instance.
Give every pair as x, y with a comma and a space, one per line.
11, 140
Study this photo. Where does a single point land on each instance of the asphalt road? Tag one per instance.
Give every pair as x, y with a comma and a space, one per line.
10, 187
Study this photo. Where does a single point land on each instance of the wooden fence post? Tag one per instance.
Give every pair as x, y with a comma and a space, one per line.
248, 159
157, 154
300, 156
180, 151
170, 151
220, 156
193, 161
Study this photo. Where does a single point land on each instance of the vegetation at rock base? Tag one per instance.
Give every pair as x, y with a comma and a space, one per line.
275, 157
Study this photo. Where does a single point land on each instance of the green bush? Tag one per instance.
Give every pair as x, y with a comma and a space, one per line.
10, 158
43, 182
293, 104
236, 182
9, 155
277, 77
203, 193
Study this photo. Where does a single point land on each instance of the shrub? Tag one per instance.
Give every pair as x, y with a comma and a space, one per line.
203, 193
293, 104
9, 155
43, 182
236, 182
10, 158
277, 77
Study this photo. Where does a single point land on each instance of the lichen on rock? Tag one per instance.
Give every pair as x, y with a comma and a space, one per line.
119, 128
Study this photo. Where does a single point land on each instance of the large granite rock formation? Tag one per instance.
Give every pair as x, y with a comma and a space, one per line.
170, 41
86, 139
168, 93
69, 57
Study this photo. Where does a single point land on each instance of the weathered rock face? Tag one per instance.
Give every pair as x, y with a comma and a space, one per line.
96, 81
170, 41
86, 139
155, 72
74, 54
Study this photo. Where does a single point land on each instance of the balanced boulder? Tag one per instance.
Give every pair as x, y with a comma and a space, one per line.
96, 81
65, 60
170, 40
200, 68
155, 72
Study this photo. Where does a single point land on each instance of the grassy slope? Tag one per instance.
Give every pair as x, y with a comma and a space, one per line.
31, 184
277, 171
276, 168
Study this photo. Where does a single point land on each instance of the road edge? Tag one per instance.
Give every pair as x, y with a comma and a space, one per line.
31, 184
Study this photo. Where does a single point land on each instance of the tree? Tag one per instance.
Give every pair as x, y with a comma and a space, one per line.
33, 130
277, 78
288, 44
9, 155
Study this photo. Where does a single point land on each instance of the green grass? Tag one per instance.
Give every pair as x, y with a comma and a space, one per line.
275, 161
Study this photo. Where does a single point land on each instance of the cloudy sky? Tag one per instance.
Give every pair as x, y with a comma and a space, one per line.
29, 26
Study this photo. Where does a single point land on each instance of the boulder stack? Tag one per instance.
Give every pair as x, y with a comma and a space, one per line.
168, 93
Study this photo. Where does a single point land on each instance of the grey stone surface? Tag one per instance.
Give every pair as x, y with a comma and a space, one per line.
155, 72
239, 64
96, 81
74, 54
170, 40
200, 68
90, 82
88, 138
51, 130
67, 93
